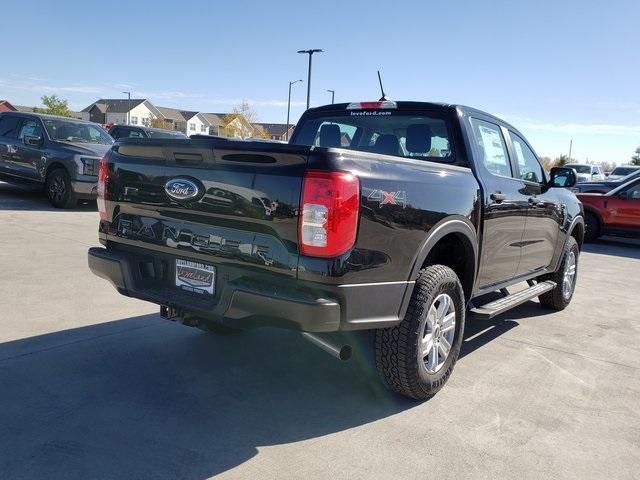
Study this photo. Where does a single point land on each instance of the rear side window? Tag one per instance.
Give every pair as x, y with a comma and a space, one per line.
492, 147
9, 126
398, 133
529, 168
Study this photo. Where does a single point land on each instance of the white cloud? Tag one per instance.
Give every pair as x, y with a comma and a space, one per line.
33, 86
254, 103
572, 128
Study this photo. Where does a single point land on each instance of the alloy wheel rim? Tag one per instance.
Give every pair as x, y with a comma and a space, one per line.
56, 188
437, 333
569, 275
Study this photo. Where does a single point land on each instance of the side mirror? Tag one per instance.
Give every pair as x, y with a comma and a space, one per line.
563, 177
624, 195
32, 140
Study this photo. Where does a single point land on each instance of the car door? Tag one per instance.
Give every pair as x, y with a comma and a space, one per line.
28, 156
545, 214
9, 125
504, 206
624, 207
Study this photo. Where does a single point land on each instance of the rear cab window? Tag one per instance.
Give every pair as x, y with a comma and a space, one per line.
402, 133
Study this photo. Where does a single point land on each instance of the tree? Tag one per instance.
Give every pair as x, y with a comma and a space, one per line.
54, 106
561, 160
635, 158
547, 163
160, 123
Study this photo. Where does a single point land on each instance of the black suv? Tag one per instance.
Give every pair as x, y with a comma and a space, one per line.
132, 131
59, 153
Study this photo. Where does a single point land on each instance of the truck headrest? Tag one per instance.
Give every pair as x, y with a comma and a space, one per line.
418, 138
387, 145
330, 135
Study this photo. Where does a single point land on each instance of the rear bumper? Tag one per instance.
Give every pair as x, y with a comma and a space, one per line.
246, 301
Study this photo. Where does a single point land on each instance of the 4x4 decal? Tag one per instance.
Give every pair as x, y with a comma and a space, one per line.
388, 198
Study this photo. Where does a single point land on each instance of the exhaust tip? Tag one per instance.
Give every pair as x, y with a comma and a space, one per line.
345, 353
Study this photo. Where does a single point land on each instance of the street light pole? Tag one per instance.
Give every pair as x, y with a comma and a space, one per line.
333, 95
310, 53
289, 108
128, 107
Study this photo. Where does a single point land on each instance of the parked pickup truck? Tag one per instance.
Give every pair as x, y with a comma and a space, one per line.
400, 218
59, 154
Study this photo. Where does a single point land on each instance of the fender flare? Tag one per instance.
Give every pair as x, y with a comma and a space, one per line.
579, 220
459, 225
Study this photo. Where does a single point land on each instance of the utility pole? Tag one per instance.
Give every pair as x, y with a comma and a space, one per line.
570, 147
333, 95
310, 53
128, 107
289, 108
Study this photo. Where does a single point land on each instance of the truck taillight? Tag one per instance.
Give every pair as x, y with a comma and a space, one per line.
328, 213
103, 194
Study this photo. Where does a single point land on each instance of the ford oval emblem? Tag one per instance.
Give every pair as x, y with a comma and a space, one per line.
181, 189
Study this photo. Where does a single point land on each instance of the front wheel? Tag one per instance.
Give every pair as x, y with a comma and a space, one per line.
565, 278
592, 227
416, 357
58, 189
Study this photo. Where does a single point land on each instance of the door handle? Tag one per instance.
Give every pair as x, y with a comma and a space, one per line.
498, 197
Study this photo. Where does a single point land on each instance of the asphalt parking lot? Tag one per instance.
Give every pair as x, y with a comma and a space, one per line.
95, 385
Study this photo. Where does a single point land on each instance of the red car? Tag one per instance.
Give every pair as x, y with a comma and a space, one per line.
614, 213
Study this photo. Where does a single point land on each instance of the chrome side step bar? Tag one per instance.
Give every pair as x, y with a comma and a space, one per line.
507, 302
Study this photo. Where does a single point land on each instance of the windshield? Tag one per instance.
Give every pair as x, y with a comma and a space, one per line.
623, 171
581, 168
389, 132
165, 134
76, 132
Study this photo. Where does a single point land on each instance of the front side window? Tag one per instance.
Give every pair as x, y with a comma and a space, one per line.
493, 150
30, 128
633, 192
529, 168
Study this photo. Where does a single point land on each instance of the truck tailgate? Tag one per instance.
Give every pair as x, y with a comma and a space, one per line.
216, 202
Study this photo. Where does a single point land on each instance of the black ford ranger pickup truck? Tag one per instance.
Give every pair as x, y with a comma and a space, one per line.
401, 218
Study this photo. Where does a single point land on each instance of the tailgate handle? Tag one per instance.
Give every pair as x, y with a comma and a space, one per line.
188, 158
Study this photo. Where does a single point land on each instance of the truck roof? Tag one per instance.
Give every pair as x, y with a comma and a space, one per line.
414, 105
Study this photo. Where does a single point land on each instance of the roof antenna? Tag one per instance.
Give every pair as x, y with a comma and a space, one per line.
384, 97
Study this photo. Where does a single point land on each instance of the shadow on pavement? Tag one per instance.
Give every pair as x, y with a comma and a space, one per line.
618, 247
145, 398
26, 197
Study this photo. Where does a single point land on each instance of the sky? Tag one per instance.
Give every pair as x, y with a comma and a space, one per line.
557, 70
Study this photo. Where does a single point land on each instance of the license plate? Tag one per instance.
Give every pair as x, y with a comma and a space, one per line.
195, 277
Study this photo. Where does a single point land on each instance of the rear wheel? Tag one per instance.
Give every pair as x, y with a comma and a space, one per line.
417, 357
565, 278
591, 227
58, 189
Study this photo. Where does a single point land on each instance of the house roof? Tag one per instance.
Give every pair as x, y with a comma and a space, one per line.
274, 128
214, 119
8, 104
171, 114
116, 105
24, 109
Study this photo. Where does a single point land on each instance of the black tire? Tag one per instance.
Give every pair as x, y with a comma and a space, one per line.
591, 227
398, 356
558, 299
58, 189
